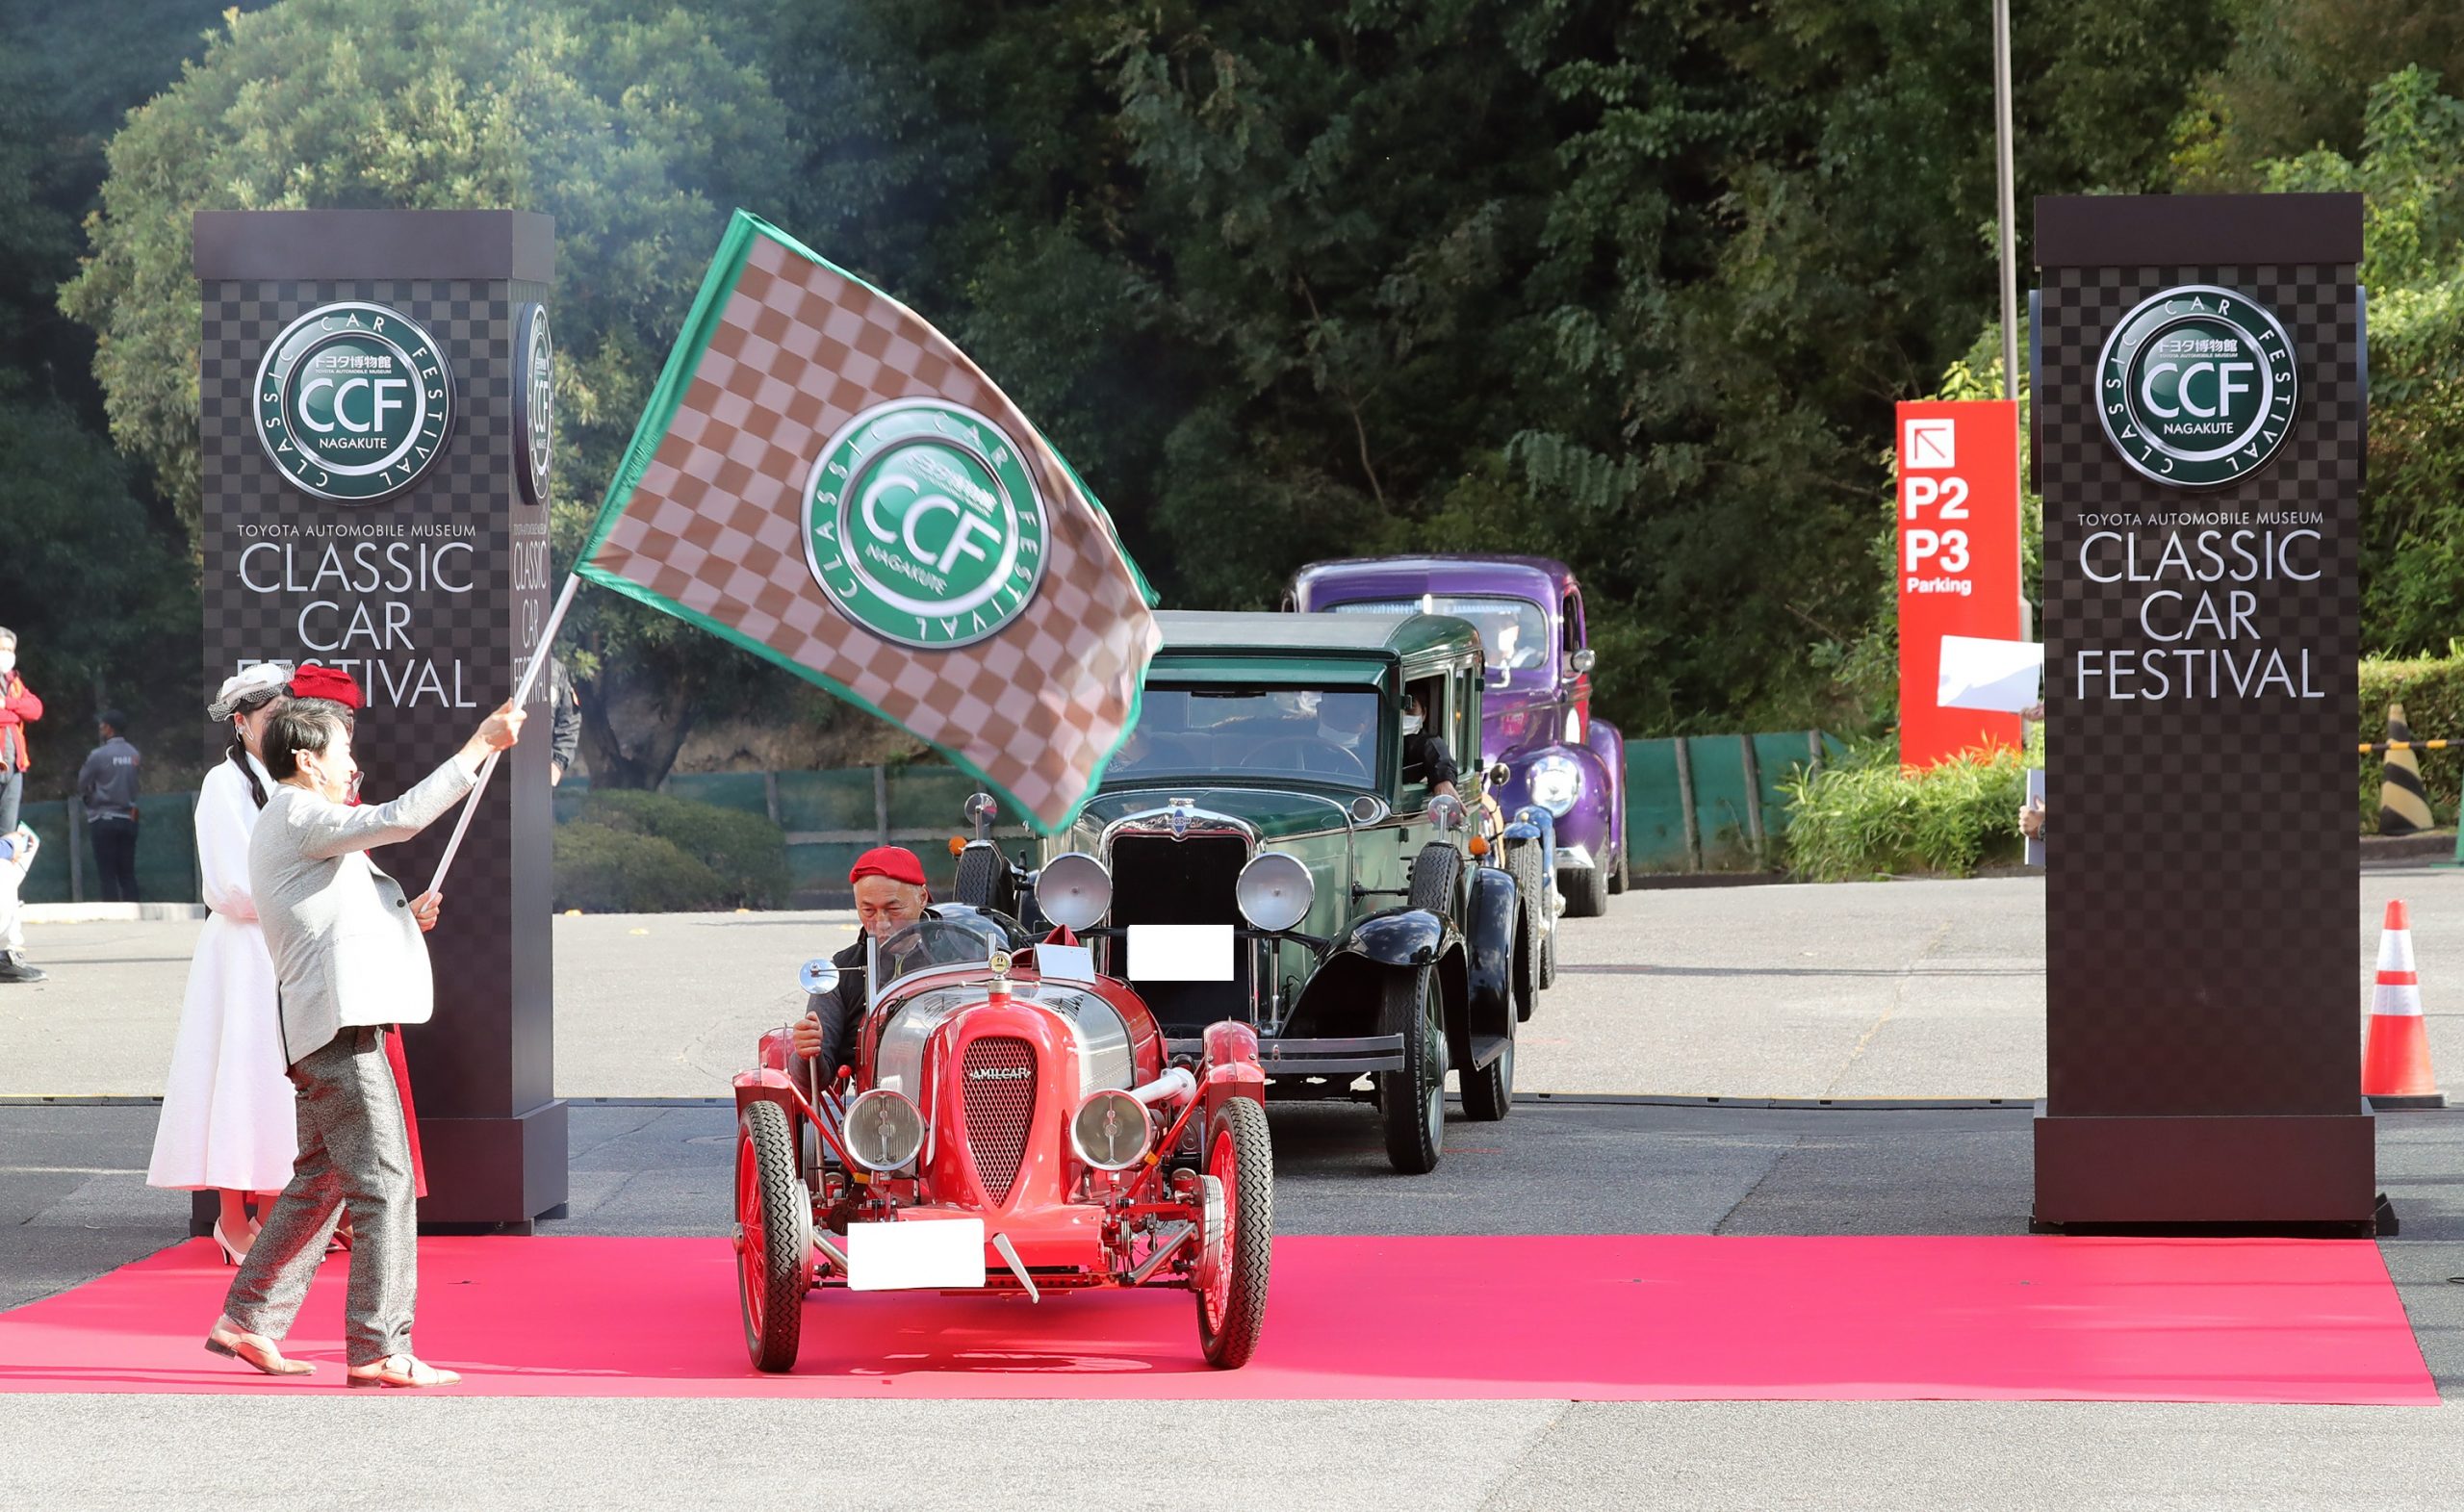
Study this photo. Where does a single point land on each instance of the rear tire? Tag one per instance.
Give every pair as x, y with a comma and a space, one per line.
1488, 1093
1587, 891
773, 1244
1232, 1313
1412, 1101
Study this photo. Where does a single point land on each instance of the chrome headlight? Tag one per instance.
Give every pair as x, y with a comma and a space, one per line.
1074, 890
882, 1131
1111, 1131
1555, 783
1275, 891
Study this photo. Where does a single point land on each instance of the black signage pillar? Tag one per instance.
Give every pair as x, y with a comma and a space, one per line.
367, 377
2200, 430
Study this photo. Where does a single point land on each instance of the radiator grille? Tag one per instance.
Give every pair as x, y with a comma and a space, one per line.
1000, 1077
1158, 880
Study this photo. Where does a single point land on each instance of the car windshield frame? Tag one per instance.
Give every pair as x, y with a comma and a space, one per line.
948, 943
1531, 620
1324, 735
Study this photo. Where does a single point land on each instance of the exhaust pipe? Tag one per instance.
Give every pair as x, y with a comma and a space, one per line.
1173, 1085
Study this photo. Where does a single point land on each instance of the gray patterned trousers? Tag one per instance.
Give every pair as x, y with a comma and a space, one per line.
352, 1153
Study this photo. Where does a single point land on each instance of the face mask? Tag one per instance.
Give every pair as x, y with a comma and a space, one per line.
7, 663
1412, 724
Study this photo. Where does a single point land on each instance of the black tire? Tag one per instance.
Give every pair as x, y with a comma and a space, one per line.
1437, 880
1488, 1093
1530, 881
1587, 891
1412, 1102
1623, 876
774, 1251
983, 879
1230, 1322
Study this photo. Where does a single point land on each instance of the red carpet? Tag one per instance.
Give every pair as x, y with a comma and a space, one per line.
1606, 1319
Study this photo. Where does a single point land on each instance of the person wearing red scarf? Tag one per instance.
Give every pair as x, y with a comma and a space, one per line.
339, 686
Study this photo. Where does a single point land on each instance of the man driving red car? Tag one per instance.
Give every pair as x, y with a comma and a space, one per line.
891, 894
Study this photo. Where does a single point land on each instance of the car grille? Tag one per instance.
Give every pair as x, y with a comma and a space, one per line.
1158, 880
999, 1102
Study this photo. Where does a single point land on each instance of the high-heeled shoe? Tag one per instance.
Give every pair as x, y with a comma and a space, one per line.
232, 1254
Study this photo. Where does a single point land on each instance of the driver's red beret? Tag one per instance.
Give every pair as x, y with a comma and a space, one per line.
896, 862
327, 682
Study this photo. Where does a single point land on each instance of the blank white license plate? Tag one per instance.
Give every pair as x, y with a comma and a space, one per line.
1180, 953
927, 1254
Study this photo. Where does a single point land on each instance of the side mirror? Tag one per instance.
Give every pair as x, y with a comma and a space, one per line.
817, 977
1583, 661
1446, 813
980, 811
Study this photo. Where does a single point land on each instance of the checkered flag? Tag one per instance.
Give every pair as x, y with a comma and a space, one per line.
826, 480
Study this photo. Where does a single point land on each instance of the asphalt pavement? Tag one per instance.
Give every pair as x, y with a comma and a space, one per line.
1855, 993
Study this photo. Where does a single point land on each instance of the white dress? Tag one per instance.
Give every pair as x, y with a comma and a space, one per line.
229, 1115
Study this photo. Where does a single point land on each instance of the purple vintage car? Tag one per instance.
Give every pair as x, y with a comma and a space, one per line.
1536, 714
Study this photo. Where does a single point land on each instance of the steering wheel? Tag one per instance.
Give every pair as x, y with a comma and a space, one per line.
1316, 758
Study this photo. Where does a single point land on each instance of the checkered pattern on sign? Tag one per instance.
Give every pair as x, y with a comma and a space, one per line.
492, 943
716, 526
2200, 893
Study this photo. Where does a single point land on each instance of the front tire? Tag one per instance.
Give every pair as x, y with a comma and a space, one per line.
1587, 891
1412, 1101
1232, 1304
774, 1246
1539, 924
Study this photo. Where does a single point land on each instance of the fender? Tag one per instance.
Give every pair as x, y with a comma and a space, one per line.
1341, 996
1608, 743
1231, 1068
1398, 936
1490, 941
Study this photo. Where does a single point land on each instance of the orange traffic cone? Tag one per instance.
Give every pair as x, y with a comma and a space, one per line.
2395, 1071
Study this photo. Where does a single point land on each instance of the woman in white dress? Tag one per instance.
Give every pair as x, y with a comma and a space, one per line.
230, 1118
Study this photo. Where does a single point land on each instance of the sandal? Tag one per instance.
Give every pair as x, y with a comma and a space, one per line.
401, 1369
232, 1342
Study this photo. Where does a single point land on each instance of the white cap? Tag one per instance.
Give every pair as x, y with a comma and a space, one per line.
266, 676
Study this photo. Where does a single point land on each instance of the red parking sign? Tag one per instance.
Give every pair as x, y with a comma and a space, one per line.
1958, 565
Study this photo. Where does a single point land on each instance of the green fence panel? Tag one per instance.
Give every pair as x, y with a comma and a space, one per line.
1654, 807
165, 852
931, 798
1779, 757
48, 882
809, 801
747, 792
1720, 813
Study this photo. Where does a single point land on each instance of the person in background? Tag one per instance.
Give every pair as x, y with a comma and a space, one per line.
564, 723
18, 708
230, 1118
16, 857
352, 966
1426, 757
106, 787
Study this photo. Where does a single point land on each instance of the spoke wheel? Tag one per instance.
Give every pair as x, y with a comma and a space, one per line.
1412, 1101
1232, 1289
774, 1248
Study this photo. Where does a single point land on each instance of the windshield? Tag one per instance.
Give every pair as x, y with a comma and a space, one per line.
957, 938
1324, 735
1514, 632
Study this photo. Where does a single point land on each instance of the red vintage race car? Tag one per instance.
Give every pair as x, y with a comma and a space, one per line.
1012, 1124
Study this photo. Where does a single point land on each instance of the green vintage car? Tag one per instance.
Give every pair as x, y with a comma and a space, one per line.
1267, 847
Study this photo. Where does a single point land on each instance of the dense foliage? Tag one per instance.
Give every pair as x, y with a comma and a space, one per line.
1631, 282
648, 853
1865, 817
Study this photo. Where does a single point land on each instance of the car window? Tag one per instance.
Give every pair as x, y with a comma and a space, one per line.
1436, 709
1310, 735
1514, 632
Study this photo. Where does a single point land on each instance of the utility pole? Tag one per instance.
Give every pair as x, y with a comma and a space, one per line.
2006, 193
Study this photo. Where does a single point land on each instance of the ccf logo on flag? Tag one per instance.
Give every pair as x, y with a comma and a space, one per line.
824, 479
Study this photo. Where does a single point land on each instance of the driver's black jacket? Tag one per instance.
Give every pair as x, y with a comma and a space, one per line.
1426, 760
842, 1009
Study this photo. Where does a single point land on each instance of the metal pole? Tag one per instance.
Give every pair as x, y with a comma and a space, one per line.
2006, 195
521, 695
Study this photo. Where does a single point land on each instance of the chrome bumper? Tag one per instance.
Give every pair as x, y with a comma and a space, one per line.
1575, 859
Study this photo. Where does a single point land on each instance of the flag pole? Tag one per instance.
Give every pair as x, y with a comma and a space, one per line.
521, 694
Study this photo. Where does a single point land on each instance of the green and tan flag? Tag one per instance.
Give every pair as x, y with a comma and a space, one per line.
826, 480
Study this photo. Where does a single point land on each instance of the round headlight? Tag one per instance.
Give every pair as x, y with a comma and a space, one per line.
1275, 891
1074, 890
1110, 1131
1555, 781
882, 1131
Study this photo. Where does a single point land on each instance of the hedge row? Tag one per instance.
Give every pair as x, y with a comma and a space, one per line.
629, 852
2432, 693
1864, 817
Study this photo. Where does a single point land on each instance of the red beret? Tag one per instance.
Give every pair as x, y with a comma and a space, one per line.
327, 682
896, 862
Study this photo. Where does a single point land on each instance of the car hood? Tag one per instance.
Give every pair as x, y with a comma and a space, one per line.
1273, 812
